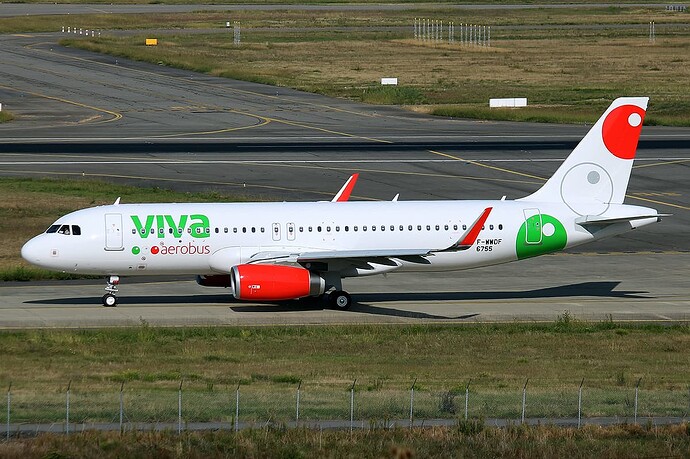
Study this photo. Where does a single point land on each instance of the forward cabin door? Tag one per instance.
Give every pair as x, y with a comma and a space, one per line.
113, 232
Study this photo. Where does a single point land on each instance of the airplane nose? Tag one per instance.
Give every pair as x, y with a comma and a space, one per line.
32, 251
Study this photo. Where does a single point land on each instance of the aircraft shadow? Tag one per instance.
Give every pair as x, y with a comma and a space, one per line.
591, 289
365, 303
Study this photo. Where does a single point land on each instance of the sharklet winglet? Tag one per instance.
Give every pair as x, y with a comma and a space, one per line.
470, 237
344, 194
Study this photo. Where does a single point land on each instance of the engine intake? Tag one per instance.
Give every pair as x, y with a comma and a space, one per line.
274, 282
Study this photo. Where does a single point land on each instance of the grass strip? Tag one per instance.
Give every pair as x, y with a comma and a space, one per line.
6, 116
466, 439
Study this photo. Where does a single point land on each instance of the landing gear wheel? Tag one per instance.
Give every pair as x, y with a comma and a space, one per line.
109, 300
340, 300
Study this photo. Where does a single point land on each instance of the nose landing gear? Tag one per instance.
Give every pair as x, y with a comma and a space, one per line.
109, 299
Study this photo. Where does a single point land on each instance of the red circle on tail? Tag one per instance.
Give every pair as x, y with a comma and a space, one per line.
621, 130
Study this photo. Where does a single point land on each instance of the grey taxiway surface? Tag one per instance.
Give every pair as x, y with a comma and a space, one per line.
86, 115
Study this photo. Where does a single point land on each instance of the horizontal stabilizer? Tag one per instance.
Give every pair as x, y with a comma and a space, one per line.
596, 220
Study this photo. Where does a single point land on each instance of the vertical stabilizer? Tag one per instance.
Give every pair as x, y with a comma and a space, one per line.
596, 173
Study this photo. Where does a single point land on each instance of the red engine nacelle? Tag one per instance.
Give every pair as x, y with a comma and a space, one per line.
214, 280
274, 282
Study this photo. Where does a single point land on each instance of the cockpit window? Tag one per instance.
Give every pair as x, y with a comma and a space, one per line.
76, 230
64, 229
53, 229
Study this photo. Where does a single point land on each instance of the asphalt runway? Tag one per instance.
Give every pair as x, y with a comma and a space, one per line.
93, 116
623, 287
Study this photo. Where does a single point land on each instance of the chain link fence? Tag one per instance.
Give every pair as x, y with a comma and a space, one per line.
194, 406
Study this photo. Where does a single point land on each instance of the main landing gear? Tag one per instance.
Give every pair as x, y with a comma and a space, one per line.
109, 299
339, 299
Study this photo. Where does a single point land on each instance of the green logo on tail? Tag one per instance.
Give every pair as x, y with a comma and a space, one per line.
540, 234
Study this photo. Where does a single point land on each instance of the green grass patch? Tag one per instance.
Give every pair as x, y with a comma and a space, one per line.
6, 116
269, 362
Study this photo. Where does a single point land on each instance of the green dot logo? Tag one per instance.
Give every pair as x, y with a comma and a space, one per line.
136, 250
540, 234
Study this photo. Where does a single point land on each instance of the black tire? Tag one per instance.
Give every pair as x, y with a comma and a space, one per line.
109, 300
340, 300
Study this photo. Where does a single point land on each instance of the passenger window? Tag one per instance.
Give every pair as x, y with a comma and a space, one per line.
455, 227
491, 227
76, 230
373, 227
409, 228
337, 229
301, 229
169, 230
225, 230
234, 230
347, 228
500, 227
153, 231
134, 231
253, 229
364, 228
464, 227
318, 228
207, 230
355, 228
402, 227
161, 231
419, 227
438, 227
262, 229
428, 227
310, 229
328, 229
54, 228
244, 229
446, 227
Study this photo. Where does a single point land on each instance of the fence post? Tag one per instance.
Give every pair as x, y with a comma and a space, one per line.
69, 385
579, 404
237, 408
467, 397
9, 404
179, 409
298, 393
637, 388
122, 404
524, 399
412, 403
352, 404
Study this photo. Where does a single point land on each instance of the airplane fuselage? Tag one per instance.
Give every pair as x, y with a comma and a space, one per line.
151, 239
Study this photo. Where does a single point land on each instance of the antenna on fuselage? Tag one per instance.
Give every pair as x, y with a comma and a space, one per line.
117, 201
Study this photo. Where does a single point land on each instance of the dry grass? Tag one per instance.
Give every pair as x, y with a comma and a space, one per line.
573, 75
464, 440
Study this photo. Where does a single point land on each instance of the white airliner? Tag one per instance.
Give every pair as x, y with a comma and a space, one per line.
281, 251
